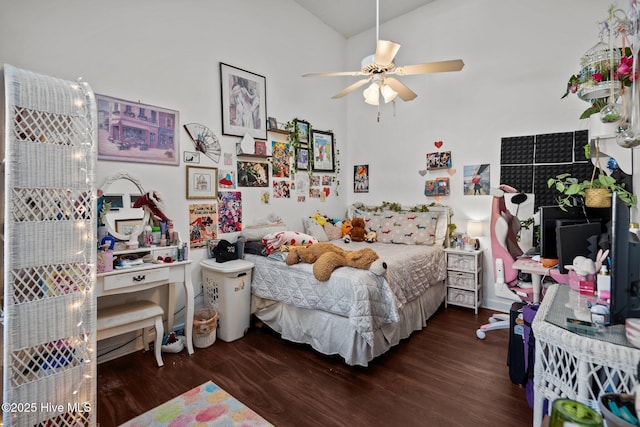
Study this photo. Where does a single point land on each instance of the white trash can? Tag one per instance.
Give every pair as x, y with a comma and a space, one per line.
227, 289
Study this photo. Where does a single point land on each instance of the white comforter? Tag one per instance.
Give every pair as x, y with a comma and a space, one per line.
368, 300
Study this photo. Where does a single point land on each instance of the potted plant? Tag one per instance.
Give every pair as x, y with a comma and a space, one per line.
572, 190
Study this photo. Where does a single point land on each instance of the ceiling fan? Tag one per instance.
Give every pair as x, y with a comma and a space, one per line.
378, 67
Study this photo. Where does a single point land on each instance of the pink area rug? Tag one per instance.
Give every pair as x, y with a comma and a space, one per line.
205, 405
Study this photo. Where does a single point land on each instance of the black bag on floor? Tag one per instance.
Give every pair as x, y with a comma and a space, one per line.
516, 356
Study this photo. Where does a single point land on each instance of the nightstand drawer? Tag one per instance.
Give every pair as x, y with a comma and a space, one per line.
461, 280
136, 278
461, 297
461, 262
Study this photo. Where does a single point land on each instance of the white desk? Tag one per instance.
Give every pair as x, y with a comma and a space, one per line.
148, 276
574, 366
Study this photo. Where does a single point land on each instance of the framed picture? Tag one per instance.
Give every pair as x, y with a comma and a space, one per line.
191, 157
302, 159
244, 102
303, 130
202, 182
133, 132
260, 147
437, 187
272, 123
322, 151
127, 226
361, 179
439, 160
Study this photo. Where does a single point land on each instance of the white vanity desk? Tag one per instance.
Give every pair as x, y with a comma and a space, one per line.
151, 275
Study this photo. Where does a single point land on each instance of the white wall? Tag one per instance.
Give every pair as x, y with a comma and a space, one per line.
167, 53
518, 57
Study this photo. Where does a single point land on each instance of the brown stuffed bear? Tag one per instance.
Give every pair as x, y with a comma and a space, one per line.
357, 230
326, 257
311, 253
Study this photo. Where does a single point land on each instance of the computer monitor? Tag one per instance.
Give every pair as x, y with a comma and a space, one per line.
625, 266
552, 216
572, 240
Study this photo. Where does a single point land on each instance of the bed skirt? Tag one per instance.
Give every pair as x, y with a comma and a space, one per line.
331, 334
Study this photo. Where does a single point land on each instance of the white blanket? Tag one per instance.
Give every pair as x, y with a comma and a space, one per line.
368, 300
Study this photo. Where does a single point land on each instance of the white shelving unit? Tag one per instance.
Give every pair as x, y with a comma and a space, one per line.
49, 132
464, 278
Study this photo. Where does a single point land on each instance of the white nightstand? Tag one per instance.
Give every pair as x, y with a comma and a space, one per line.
464, 278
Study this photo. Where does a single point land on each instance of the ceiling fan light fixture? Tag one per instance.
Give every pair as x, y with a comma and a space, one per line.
372, 94
388, 93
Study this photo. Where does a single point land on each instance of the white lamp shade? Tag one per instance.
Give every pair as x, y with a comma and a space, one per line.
387, 93
372, 94
474, 228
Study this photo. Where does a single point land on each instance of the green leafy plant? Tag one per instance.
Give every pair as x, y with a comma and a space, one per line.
572, 190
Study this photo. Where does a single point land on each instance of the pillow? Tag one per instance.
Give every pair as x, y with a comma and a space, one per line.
257, 232
333, 231
372, 220
273, 241
255, 248
314, 229
409, 228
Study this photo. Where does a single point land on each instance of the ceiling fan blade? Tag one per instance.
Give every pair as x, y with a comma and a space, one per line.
351, 88
430, 67
385, 52
404, 92
339, 73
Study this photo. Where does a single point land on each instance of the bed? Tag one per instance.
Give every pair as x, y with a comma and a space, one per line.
356, 314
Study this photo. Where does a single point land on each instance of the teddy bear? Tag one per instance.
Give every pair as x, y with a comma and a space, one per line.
309, 254
326, 257
357, 229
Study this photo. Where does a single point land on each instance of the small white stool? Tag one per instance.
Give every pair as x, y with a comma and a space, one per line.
131, 317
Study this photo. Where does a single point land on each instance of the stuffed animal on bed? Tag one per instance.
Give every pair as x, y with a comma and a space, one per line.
357, 231
346, 228
326, 257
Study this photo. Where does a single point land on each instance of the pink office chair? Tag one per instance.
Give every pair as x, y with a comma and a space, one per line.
505, 249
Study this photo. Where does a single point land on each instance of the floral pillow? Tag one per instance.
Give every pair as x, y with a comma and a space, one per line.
274, 241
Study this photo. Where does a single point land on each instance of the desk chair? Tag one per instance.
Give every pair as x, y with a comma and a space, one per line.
505, 249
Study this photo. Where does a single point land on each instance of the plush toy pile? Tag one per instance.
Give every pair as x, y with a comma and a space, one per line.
326, 257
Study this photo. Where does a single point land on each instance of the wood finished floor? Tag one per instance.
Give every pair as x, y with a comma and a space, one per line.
440, 376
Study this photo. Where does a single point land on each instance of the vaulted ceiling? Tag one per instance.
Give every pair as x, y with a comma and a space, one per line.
350, 17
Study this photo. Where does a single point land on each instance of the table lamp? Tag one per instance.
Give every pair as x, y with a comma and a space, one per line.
474, 230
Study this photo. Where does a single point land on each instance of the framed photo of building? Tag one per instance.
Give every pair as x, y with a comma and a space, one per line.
322, 151
133, 132
244, 102
202, 182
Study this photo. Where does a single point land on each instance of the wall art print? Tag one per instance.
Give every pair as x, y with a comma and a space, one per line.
439, 160
253, 174
227, 179
133, 132
437, 187
323, 151
476, 180
203, 224
281, 189
361, 179
229, 211
244, 102
280, 159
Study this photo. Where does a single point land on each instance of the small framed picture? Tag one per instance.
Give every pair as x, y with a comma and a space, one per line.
322, 151
361, 179
202, 182
191, 157
260, 147
302, 159
437, 187
439, 160
303, 130
127, 226
272, 123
